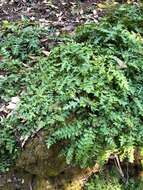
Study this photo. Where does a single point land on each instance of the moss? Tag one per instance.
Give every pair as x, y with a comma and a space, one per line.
43, 184
38, 160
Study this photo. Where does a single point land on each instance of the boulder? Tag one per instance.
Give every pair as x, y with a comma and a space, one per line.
38, 160
39, 168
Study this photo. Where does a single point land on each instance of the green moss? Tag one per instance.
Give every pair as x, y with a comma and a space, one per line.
39, 161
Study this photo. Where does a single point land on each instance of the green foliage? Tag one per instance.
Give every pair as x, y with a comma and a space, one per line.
8, 150
19, 41
19, 48
100, 85
104, 182
20, 44
112, 181
87, 93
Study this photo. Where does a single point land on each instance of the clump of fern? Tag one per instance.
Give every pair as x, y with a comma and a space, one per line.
86, 93
19, 49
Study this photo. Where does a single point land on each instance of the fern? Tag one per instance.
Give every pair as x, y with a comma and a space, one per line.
86, 93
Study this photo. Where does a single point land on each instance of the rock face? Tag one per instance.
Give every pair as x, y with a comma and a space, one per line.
38, 168
71, 179
38, 160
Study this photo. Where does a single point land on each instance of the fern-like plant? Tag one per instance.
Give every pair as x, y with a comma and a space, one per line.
87, 93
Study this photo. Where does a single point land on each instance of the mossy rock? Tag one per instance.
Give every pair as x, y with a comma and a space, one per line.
38, 160
44, 184
73, 178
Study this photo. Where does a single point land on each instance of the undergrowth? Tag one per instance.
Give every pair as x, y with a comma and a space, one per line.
111, 180
87, 92
20, 48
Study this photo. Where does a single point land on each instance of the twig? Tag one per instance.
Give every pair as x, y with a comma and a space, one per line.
127, 180
118, 165
30, 186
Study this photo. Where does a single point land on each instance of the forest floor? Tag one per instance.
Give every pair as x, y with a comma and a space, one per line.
63, 15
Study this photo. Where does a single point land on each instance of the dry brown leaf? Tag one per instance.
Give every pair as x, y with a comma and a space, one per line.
121, 64
47, 53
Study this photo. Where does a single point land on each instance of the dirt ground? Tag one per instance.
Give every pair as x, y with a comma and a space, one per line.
62, 14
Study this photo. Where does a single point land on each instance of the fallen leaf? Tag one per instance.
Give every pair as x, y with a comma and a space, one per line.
68, 28
47, 53
1, 58
13, 103
11, 106
121, 64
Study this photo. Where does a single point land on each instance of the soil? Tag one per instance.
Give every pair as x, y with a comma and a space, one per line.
62, 14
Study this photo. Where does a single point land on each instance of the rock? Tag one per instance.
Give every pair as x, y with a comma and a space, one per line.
38, 160
38, 168
73, 178
44, 184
